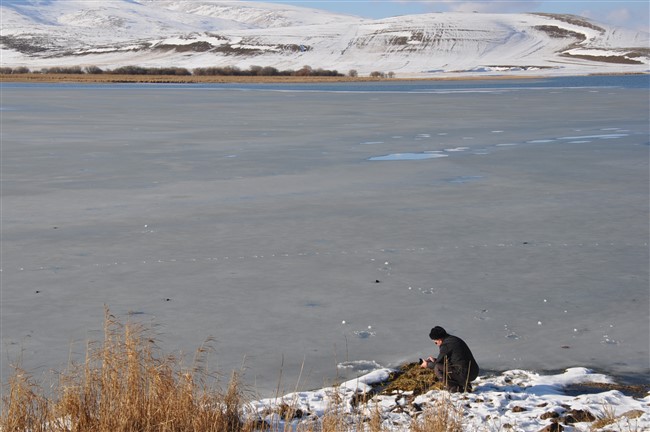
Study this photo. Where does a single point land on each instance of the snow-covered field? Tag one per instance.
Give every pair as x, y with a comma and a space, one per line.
192, 34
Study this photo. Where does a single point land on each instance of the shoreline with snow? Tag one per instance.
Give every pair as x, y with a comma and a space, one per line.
34, 77
513, 400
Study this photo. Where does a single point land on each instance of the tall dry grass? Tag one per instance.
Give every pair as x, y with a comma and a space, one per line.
23, 408
126, 384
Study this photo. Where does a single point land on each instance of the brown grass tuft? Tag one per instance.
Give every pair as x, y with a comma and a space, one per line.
126, 385
411, 377
443, 416
23, 406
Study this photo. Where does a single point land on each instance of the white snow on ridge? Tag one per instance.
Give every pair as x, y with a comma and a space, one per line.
108, 20
243, 34
256, 14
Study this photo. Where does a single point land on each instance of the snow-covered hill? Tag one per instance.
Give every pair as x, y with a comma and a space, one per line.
198, 33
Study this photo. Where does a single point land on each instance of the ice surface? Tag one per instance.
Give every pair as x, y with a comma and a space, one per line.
257, 218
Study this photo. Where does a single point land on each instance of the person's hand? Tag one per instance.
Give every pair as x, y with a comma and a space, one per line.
424, 363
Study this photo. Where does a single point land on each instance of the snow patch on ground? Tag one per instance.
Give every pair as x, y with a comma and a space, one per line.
524, 400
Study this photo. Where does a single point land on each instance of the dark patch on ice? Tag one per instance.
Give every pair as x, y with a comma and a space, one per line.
364, 334
312, 305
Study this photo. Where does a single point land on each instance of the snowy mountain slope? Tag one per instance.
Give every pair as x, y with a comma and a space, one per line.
107, 20
194, 34
257, 14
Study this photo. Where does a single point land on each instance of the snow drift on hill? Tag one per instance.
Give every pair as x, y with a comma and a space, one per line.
191, 34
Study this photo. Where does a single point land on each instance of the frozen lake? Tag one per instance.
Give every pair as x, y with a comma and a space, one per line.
329, 227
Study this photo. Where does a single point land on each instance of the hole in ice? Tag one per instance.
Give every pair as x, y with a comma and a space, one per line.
364, 334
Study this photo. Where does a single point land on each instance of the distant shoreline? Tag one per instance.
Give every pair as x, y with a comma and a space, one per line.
219, 79
174, 79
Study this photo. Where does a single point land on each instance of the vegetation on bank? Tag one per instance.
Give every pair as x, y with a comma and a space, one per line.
226, 71
127, 384
139, 74
124, 385
171, 79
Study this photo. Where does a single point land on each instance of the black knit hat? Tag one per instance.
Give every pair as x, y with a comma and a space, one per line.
438, 333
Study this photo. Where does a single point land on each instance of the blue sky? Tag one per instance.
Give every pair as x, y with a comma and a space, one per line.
633, 14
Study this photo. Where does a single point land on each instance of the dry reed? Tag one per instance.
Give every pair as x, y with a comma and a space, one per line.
126, 384
443, 416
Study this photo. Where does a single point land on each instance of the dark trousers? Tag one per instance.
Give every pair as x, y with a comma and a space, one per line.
455, 379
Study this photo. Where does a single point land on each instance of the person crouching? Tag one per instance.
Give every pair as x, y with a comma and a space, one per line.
455, 365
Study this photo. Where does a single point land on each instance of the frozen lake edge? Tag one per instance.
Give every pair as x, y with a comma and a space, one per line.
184, 208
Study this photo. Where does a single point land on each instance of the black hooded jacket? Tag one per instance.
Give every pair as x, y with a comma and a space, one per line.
459, 359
